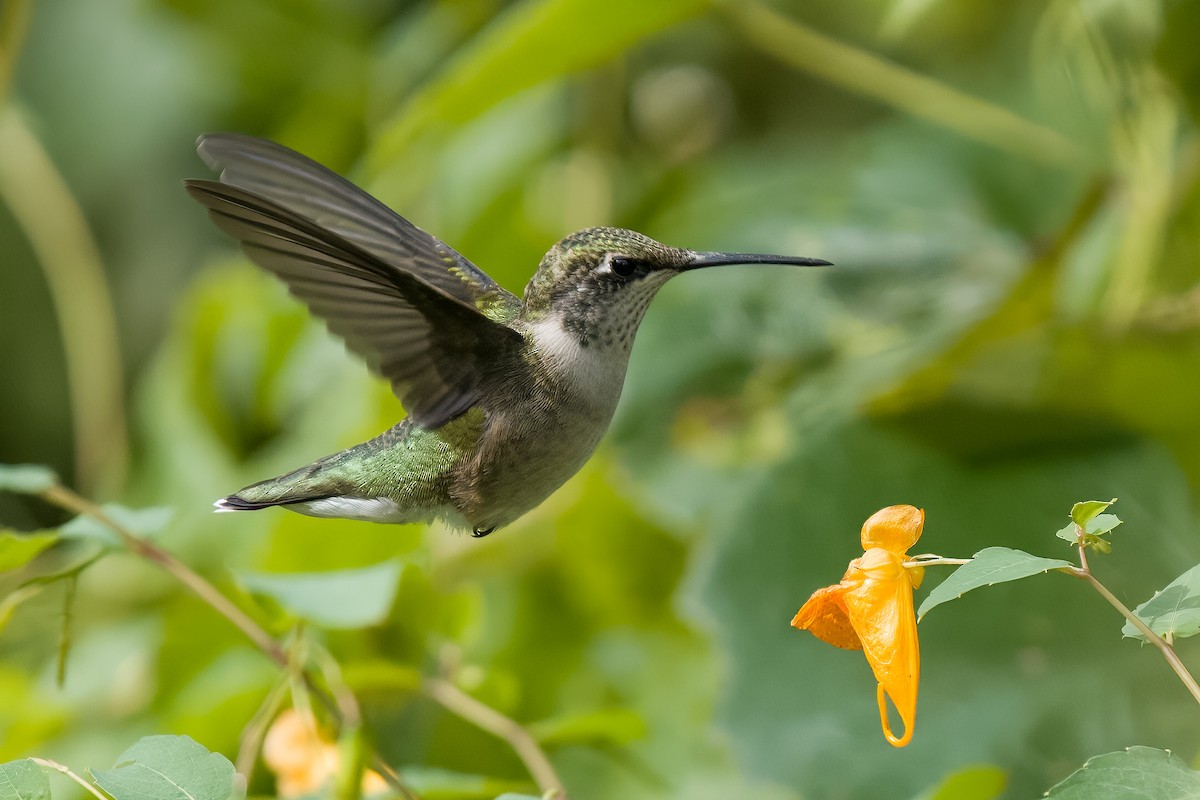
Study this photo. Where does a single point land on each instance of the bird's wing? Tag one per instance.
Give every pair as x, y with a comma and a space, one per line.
432, 344
318, 194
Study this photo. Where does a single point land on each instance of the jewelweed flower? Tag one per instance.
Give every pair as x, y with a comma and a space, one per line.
872, 610
304, 762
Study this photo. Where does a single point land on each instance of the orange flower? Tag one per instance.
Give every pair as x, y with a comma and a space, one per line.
872, 610
304, 763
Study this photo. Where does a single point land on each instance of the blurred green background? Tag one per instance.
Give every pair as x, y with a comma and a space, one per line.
1009, 191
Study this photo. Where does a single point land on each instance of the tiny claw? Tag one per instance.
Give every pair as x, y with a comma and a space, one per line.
479, 533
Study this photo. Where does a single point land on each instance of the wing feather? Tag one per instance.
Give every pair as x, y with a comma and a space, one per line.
432, 343
314, 192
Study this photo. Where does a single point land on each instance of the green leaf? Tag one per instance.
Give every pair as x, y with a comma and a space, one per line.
348, 598
978, 782
23, 780
18, 549
990, 566
1084, 512
1173, 612
566, 36
511, 796
168, 768
1138, 773
616, 726
1069, 533
26, 478
1096, 527
141, 521
1103, 523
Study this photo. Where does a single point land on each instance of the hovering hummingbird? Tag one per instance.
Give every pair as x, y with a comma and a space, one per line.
506, 397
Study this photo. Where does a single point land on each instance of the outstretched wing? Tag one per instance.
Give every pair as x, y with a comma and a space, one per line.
424, 334
320, 195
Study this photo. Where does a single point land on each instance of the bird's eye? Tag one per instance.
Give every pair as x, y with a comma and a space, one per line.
621, 266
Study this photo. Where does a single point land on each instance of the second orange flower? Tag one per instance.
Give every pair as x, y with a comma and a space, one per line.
871, 609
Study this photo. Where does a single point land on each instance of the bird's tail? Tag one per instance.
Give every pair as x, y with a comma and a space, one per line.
320, 480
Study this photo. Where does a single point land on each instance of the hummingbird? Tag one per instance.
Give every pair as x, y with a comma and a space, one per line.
506, 397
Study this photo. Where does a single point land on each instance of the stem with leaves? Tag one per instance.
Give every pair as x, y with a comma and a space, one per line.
342, 706
1084, 572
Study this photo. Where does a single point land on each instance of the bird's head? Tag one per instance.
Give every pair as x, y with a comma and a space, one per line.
599, 281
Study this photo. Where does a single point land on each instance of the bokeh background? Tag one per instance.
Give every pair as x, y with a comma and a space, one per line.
1009, 191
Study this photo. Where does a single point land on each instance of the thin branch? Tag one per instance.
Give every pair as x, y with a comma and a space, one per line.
64, 631
69, 500
489, 719
54, 765
1164, 647
1083, 562
65, 498
347, 703
935, 561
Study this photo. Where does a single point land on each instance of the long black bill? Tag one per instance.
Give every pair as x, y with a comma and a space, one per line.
721, 259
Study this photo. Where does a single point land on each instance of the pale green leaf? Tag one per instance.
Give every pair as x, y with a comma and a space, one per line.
432, 783
1173, 612
1102, 523
1138, 773
566, 36
348, 598
977, 782
1097, 526
511, 796
88, 554
990, 566
1069, 533
615, 726
18, 549
23, 780
140, 521
168, 768
1084, 512
26, 478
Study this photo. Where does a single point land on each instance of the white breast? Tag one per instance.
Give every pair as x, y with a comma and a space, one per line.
594, 373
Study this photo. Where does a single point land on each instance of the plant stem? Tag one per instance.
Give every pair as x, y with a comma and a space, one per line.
57, 230
255, 731
345, 706
1164, 647
1083, 562
495, 723
54, 765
